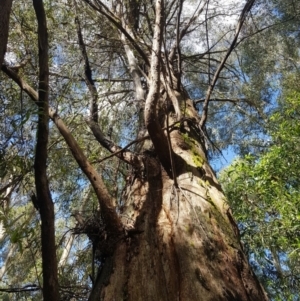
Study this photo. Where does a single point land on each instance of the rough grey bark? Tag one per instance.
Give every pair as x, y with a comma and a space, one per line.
5, 8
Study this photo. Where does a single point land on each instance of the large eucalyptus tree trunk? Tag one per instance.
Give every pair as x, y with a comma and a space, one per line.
184, 243
181, 242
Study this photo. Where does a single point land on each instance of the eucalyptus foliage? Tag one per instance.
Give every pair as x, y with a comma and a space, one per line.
264, 193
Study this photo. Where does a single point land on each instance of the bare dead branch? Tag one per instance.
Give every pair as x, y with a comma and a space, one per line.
184, 31
241, 21
218, 100
26, 288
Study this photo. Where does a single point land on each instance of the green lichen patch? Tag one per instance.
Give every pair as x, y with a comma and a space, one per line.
196, 153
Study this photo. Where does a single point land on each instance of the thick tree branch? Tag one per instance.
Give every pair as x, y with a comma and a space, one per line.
44, 200
151, 120
241, 21
126, 156
88, 75
121, 153
106, 202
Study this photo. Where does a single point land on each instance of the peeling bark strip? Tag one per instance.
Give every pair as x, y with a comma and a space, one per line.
49, 261
5, 8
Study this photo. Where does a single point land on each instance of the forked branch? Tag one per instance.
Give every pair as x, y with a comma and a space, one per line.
105, 11
92, 122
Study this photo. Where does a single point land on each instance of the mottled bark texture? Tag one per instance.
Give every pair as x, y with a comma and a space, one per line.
5, 8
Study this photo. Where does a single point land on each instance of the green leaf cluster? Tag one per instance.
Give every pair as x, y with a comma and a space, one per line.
264, 193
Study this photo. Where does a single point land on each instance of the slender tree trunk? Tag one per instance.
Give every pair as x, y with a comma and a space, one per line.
5, 8
5, 205
44, 200
9, 256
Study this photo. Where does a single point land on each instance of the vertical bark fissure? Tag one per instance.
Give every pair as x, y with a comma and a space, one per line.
171, 153
46, 206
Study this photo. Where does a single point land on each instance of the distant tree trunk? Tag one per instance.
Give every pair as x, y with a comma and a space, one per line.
8, 257
5, 8
67, 248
